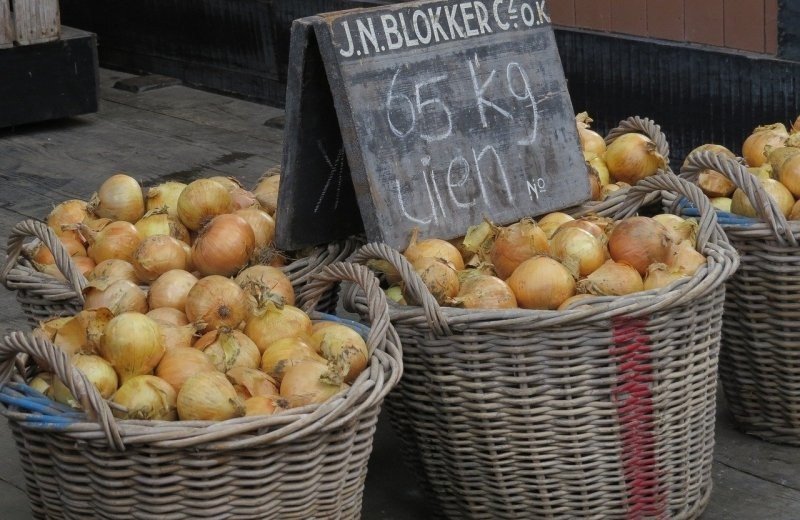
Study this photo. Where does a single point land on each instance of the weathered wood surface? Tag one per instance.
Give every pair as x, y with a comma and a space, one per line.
46, 163
36, 21
6, 25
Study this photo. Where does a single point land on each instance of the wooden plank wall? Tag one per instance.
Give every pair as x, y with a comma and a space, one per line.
6, 24
35, 21
749, 25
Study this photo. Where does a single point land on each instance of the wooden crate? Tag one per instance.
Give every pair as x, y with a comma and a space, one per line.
26, 22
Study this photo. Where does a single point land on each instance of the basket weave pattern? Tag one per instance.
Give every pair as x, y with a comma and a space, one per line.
603, 411
760, 358
304, 463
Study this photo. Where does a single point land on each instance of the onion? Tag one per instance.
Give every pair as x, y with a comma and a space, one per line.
209, 397
597, 164
595, 186
43, 256
175, 336
309, 382
42, 383
159, 222
84, 264
262, 224
592, 226
433, 248
181, 363
439, 277
550, 222
660, 275
132, 342
251, 382
227, 348
201, 201
119, 198
156, 255
271, 323
171, 289
217, 302
281, 354
572, 302
395, 293
541, 283
109, 271
579, 251
515, 244
97, 370
48, 329
632, 157
714, 184
789, 174
685, 259
146, 398
260, 405
344, 348
224, 246
591, 141
608, 189
391, 274
187, 249
242, 199
165, 196
679, 228
477, 240
754, 148
121, 296
68, 213
483, 291
795, 213
722, 203
762, 172
83, 332
259, 278
639, 242
169, 316
117, 240
612, 279
777, 157
266, 191
779, 193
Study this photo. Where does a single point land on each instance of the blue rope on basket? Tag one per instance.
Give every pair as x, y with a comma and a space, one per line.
687, 209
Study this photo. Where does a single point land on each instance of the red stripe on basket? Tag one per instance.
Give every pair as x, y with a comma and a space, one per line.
634, 401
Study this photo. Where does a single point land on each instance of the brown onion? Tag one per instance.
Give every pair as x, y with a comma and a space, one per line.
132, 342
261, 405
224, 246
309, 382
109, 271
573, 301
685, 259
639, 242
789, 174
754, 148
120, 296
597, 164
242, 199
259, 278
227, 348
159, 222
660, 275
180, 363
119, 198
439, 277
262, 224
632, 157
795, 213
741, 205
168, 316
612, 279
117, 240
217, 302
201, 201
579, 251
171, 290
68, 213
483, 291
156, 255
97, 370
42, 255
165, 196
679, 228
146, 397
266, 191
83, 332
251, 382
550, 222
591, 141
714, 184
281, 354
433, 248
344, 348
515, 244
541, 283
209, 396
271, 323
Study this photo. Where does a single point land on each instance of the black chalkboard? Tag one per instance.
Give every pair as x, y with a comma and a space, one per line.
450, 112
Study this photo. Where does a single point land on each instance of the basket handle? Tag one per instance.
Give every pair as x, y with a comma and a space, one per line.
642, 125
44, 352
34, 228
766, 208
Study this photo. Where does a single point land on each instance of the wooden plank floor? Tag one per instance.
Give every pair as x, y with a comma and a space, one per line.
180, 133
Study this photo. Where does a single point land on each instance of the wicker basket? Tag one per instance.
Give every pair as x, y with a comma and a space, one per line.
603, 411
760, 358
304, 463
43, 296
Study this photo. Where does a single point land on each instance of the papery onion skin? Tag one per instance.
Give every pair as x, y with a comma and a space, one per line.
224, 246
119, 297
119, 198
612, 279
541, 283
590, 140
433, 248
216, 301
579, 251
201, 201
228, 348
483, 291
309, 382
344, 348
632, 157
262, 224
284, 353
685, 259
156, 255
639, 242
67, 213
260, 405
169, 316
73, 246
109, 271
97, 370
267, 277
573, 301
165, 195
209, 397
551, 222
516, 243
133, 344
754, 147
741, 205
679, 228
251, 382
159, 222
147, 398
789, 174
271, 324
660, 276
117, 240
266, 191
171, 289
180, 363
439, 277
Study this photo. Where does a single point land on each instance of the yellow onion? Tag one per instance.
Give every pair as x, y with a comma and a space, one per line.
595, 186
795, 213
585, 224
579, 251
189, 263
550, 222
777, 157
762, 172
165, 196
119, 198
478, 238
48, 329
159, 222
515, 244
84, 264
660, 275
156, 255
271, 323
260, 405
395, 293
83, 332
227, 348
133, 344
789, 174
121, 296
714, 184
573, 302
679, 228
632, 157
438, 276
109, 271
754, 148
171, 290
344, 348
608, 189
146, 397
612, 279
591, 141
68, 213
541, 283
391, 274
483, 291
251, 382
42, 255
284, 353
217, 302
741, 205
42, 383
639, 242
201, 201
117, 240
178, 335
433, 248
597, 164
309, 382
224, 246
242, 199
266, 191
722, 203
262, 224
97, 370
685, 258
168, 316
209, 396
180, 363
259, 278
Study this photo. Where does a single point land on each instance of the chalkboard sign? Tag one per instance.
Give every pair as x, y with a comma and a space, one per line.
450, 112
